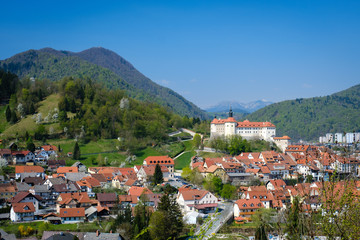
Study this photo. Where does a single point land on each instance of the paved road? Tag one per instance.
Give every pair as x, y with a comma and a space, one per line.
217, 221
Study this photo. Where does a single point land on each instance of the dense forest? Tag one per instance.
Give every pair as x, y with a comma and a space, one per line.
104, 67
310, 118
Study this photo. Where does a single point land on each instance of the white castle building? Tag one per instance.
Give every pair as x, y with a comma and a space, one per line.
247, 130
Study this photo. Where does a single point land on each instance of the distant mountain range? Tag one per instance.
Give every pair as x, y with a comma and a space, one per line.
238, 107
309, 118
101, 65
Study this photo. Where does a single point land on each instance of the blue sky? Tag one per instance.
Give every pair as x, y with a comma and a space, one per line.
208, 51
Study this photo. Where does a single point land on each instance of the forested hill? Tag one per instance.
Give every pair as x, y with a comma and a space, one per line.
102, 65
310, 118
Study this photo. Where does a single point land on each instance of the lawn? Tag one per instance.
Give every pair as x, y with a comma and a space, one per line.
3, 122
184, 160
29, 124
211, 155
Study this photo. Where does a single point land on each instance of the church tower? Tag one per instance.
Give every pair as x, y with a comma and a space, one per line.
230, 112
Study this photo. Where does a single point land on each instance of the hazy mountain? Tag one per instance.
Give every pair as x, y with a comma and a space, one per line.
310, 118
238, 107
101, 65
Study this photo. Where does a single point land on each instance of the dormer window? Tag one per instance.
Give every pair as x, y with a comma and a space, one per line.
251, 205
244, 205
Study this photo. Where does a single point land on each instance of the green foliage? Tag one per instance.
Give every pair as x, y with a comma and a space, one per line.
197, 141
213, 184
8, 113
30, 145
233, 145
40, 132
166, 222
158, 175
76, 152
8, 85
192, 176
98, 64
228, 191
295, 227
313, 117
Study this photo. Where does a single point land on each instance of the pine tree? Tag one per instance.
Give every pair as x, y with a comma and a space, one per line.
171, 220
158, 175
76, 153
14, 118
30, 145
8, 113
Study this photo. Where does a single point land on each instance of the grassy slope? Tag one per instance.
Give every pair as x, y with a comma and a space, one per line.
3, 122
184, 159
28, 124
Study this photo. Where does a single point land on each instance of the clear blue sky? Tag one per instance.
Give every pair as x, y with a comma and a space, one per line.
208, 51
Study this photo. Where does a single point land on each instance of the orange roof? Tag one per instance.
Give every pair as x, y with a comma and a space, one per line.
20, 152
49, 148
67, 169
153, 160
250, 170
92, 181
72, 212
28, 169
247, 123
66, 198
138, 191
283, 138
249, 204
212, 168
191, 194
25, 207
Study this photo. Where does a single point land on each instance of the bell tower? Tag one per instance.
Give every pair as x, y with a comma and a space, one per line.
230, 112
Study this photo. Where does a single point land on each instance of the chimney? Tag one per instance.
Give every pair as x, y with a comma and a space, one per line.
97, 233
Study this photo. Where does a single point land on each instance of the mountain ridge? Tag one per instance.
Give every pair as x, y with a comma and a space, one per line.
310, 118
239, 106
102, 65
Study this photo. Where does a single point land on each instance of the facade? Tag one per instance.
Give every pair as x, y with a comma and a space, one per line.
246, 129
166, 161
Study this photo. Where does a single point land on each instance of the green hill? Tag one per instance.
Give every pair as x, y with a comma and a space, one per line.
310, 118
102, 65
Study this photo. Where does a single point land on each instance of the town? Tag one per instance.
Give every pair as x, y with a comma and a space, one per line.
44, 189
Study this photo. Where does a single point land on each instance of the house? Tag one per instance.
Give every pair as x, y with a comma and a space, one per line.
73, 200
21, 157
245, 208
44, 192
36, 170
107, 199
6, 154
138, 191
54, 164
50, 149
265, 197
26, 197
7, 191
80, 166
196, 200
72, 215
103, 236
275, 184
162, 161
146, 173
22, 211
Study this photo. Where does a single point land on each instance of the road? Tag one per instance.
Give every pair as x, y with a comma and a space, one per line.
217, 221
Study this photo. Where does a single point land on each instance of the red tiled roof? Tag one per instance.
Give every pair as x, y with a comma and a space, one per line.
72, 212
153, 160
249, 204
138, 191
26, 207
49, 148
23, 169
193, 194
21, 195
67, 169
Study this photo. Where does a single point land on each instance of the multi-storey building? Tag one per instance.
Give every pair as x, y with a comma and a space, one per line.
246, 129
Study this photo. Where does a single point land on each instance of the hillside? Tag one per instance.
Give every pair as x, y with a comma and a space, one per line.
243, 108
310, 118
102, 65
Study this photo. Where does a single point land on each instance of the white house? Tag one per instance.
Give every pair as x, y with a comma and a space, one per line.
196, 200
21, 157
22, 212
26, 197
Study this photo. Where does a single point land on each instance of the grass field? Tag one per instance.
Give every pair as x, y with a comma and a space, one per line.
3, 122
184, 160
211, 155
27, 123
